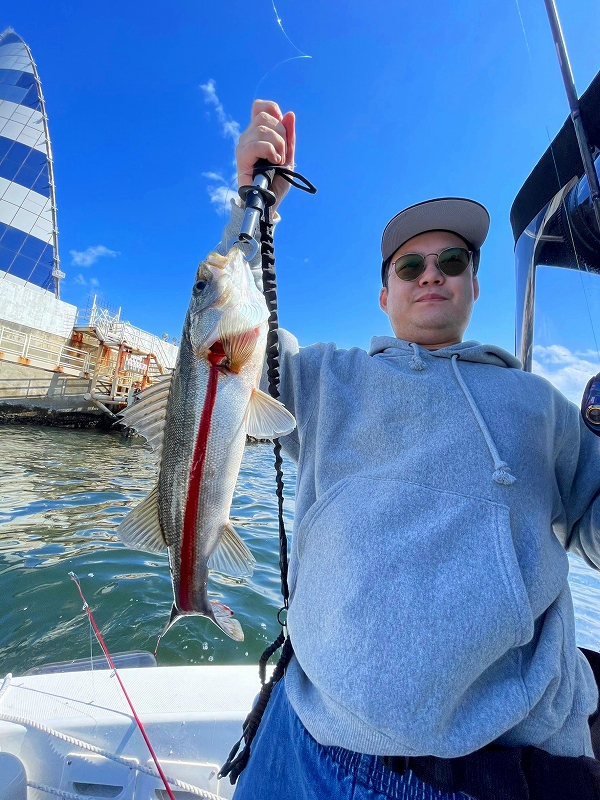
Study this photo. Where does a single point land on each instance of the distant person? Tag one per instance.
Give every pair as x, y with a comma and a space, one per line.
439, 487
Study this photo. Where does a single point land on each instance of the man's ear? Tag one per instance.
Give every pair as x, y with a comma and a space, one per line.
475, 287
383, 300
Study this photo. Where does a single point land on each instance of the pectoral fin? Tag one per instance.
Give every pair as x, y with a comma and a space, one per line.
238, 337
141, 529
267, 418
232, 557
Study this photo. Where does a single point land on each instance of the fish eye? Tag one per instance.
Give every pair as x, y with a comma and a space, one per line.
199, 286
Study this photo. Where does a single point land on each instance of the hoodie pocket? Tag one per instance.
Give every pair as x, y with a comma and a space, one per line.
405, 595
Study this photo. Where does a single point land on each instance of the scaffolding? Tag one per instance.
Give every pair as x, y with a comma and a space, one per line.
126, 358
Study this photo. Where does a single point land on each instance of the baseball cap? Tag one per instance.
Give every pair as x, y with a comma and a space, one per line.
468, 218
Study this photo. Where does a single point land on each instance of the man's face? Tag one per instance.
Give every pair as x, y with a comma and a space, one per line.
433, 310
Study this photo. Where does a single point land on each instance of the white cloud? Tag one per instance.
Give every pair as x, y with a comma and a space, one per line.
568, 371
213, 176
220, 195
94, 282
85, 258
229, 127
80, 280
219, 188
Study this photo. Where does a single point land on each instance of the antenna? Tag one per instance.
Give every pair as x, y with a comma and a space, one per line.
580, 132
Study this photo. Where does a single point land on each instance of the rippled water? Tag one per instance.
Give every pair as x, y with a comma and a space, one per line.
63, 493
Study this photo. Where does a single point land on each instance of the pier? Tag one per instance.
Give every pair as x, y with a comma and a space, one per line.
80, 377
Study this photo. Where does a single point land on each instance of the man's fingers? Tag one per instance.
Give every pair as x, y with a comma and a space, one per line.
249, 154
277, 138
268, 106
289, 123
264, 118
270, 135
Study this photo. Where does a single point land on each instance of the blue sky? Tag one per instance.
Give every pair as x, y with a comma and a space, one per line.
398, 103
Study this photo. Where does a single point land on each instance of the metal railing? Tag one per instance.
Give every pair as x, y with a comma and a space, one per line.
57, 386
113, 330
36, 348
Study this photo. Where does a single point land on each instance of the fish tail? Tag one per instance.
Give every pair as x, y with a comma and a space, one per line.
175, 615
223, 617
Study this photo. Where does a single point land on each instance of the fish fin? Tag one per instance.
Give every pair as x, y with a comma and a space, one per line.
231, 556
226, 621
147, 414
267, 418
141, 529
238, 334
239, 348
175, 615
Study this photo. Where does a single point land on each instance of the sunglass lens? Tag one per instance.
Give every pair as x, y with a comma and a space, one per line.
410, 266
454, 261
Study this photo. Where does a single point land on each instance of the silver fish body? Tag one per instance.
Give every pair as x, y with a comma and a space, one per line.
198, 425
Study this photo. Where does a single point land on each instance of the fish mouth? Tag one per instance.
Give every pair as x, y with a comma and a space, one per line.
210, 340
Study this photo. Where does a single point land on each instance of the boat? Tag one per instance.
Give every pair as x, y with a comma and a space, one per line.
67, 730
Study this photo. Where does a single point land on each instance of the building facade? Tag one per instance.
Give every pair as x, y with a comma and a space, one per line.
28, 232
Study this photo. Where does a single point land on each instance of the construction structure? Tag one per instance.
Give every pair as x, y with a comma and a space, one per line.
57, 365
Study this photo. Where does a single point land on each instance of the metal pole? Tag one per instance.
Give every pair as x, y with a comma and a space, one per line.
567, 76
255, 205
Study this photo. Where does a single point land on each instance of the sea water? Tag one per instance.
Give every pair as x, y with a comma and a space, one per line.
62, 495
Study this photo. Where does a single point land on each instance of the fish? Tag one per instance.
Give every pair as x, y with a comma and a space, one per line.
196, 420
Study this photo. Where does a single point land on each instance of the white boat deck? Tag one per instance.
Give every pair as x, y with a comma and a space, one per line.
192, 715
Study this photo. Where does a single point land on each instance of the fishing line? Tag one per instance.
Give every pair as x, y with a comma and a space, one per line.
578, 259
88, 611
279, 22
285, 60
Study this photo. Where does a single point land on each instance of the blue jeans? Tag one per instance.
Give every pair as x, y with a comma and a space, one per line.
287, 763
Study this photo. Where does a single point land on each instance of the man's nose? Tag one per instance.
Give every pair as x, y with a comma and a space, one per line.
432, 274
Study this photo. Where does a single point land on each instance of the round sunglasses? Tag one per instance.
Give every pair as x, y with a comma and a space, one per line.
452, 261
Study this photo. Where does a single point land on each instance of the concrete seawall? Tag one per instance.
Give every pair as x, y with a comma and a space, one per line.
29, 395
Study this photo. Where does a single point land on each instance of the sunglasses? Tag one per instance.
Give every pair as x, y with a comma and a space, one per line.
452, 261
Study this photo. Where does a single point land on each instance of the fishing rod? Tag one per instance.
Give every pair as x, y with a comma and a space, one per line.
259, 199
111, 663
590, 402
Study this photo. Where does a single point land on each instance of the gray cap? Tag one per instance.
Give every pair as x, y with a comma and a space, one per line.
469, 219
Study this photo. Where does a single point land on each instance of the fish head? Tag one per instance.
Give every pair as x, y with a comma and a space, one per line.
226, 307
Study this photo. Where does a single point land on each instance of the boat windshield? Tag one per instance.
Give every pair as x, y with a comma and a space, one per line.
558, 291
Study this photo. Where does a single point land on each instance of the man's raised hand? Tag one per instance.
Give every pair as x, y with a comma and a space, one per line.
270, 135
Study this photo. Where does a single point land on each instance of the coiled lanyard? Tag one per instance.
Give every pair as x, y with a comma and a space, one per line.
259, 199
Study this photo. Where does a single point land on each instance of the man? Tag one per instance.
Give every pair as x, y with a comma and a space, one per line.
438, 489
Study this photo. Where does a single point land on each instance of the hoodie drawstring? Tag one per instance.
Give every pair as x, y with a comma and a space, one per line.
416, 362
502, 473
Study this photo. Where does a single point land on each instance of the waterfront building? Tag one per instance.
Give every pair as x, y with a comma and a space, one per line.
28, 232
57, 366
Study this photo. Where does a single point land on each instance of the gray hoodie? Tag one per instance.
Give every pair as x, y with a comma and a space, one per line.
437, 494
